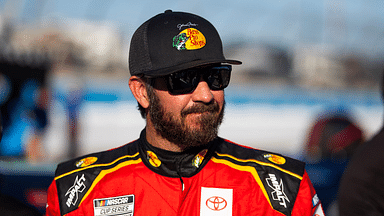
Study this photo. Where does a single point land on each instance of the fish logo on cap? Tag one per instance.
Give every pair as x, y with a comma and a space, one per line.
189, 39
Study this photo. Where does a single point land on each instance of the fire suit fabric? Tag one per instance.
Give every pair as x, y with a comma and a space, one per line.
221, 178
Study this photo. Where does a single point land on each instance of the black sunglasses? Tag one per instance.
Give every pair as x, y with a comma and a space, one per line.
186, 81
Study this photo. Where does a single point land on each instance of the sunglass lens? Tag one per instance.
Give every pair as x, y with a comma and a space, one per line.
218, 77
183, 82
186, 81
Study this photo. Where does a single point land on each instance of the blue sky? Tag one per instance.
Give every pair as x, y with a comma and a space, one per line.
345, 23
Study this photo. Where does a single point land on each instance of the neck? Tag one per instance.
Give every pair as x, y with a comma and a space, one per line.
155, 139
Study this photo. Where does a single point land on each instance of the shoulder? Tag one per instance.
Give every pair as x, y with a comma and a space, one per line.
366, 164
368, 158
363, 174
74, 178
278, 176
244, 155
373, 148
102, 160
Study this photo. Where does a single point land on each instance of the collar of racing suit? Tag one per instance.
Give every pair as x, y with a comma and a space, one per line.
175, 164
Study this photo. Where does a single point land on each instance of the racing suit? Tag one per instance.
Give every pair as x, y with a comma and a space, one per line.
220, 178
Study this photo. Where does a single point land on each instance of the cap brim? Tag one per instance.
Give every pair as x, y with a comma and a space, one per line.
170, 70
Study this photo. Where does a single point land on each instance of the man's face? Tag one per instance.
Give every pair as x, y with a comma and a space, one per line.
188, 119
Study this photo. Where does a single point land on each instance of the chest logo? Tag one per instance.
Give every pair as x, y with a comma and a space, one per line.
216, 203
73, 192
277, 190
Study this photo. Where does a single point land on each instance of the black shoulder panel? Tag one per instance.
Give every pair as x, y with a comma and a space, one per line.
75, 177
281, 176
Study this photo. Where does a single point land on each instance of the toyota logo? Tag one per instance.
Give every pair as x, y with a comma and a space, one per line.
216, 203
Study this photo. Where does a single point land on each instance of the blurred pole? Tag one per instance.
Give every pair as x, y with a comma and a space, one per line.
74, 100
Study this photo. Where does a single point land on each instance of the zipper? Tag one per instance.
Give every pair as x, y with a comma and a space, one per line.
182, 184
178, 168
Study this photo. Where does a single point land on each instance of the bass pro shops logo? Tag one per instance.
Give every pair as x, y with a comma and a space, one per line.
73, 192
189, 39
278, 190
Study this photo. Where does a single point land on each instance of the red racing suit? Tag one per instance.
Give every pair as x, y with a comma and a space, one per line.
221, 178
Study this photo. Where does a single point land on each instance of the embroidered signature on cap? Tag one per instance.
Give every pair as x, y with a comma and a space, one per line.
189, 24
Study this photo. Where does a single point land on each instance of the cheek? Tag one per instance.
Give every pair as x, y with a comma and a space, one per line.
176, 103
172, 103
219, 97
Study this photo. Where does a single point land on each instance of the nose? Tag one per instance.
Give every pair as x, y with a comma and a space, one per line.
202, 93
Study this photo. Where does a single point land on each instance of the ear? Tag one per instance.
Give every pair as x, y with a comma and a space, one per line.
137, 86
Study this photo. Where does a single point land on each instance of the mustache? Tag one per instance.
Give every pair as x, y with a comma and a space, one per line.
201, 108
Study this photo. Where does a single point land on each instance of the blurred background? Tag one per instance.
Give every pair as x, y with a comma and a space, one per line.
309, 86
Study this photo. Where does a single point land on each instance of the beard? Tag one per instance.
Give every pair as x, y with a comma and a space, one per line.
178, 131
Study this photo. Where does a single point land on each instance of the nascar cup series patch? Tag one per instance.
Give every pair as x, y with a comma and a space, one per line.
189, 39
122, 205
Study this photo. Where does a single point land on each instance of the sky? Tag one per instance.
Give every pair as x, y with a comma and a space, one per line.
343, 23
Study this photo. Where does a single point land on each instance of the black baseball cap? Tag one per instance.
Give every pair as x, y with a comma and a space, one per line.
174, 41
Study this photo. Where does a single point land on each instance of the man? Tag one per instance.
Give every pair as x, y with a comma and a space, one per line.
332, 141
9, 205
24, 104
179, 166
361, 190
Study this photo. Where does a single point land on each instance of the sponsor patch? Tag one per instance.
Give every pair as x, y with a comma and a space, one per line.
153, 159
275, 159
86, 162
315, 200
73, 192
316, 204
189, 39
122, 205
277, 187
198, 159
319, 211
216, 201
